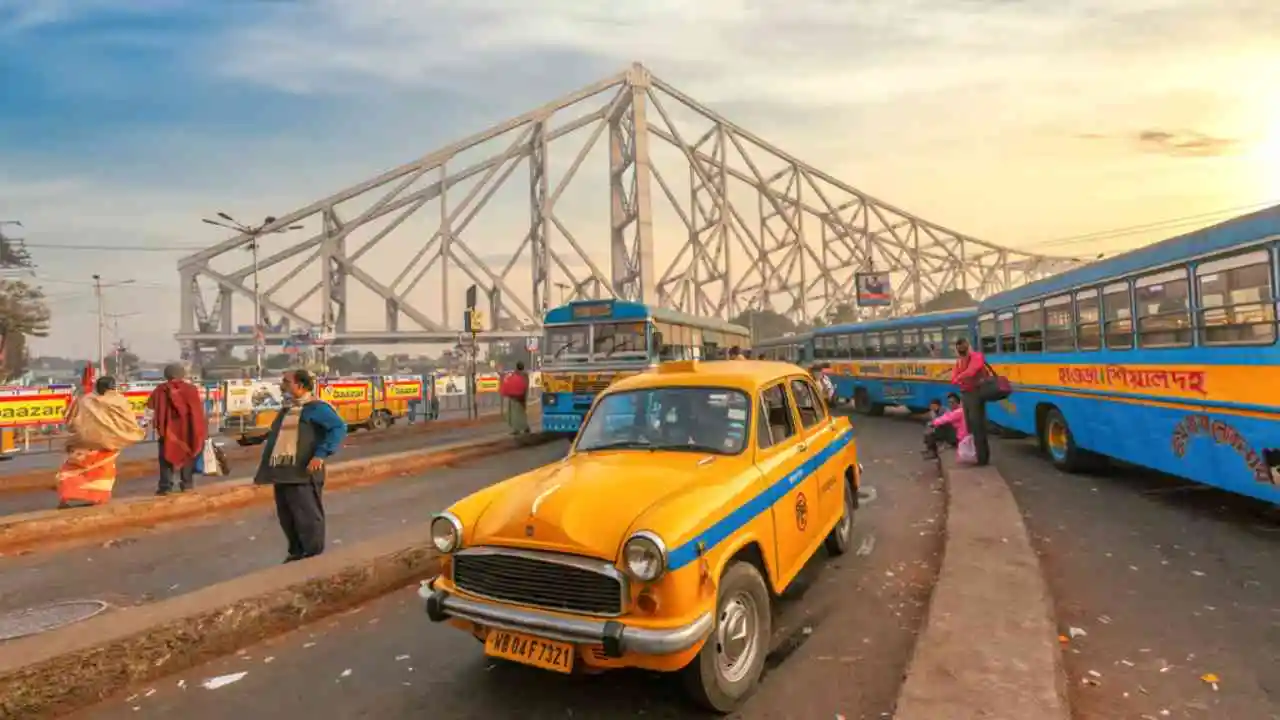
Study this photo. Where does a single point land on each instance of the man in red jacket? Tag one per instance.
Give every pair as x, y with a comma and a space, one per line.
969, 372
180, 428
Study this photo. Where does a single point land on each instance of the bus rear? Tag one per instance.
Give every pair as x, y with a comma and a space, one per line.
1164, 357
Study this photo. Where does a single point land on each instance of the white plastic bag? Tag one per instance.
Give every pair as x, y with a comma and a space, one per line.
967, 451
209, 459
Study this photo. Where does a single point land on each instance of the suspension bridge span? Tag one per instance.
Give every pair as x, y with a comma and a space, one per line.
700, 215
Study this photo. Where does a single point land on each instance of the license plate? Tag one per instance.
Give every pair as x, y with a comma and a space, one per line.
535, 651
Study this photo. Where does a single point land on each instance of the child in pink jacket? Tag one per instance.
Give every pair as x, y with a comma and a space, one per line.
953, 420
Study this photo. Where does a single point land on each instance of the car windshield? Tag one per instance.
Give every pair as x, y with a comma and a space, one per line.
566, 341
691, 419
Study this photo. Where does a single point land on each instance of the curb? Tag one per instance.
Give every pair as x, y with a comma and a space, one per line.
989, 648
21, 532
81, 664
44, 478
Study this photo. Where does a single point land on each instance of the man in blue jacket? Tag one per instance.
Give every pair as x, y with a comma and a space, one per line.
306, 433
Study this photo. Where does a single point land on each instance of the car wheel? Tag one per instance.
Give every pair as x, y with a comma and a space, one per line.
841, 536
729, 666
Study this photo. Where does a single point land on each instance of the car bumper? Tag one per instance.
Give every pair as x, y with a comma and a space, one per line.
616, 637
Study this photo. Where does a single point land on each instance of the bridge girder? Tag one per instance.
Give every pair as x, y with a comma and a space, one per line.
796, 252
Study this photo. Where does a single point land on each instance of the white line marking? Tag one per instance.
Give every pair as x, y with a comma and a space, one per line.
868, 544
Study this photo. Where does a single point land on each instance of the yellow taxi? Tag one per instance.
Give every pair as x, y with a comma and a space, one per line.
689, 501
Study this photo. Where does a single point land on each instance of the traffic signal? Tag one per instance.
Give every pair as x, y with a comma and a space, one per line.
472, 321
471, 297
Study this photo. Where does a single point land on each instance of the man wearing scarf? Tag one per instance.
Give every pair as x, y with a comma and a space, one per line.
305, 434
181, 428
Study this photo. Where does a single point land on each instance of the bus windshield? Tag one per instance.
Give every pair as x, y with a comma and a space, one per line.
613, 339
567, 341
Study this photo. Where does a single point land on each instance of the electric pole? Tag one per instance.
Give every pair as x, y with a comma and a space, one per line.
97, 294
253, 232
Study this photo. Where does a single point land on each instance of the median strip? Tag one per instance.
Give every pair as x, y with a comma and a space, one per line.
989, 648
79, 665
44, 478
21, 532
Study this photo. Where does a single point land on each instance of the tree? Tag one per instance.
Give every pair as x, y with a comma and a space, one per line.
23, 313
16, 358
949, 300
278, 361
764, 324
128, 364
370, 364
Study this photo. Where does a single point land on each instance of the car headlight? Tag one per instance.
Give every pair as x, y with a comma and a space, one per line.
446, 533
645, 556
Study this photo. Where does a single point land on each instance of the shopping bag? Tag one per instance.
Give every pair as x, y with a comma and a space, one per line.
207, 463
967, 451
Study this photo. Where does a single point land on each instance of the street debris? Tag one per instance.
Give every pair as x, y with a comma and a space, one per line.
1075, 632
223, 680
1212, 680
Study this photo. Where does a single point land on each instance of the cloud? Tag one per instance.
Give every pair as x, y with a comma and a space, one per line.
1184, 143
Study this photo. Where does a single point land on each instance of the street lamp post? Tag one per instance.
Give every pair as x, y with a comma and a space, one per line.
102, 321
253, 232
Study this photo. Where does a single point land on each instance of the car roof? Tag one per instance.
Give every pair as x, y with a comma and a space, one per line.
746, 375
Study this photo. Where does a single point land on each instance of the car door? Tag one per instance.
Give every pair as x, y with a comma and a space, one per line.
781, 455
820, 431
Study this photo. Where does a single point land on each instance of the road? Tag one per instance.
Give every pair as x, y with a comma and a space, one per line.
166, 561
1170, 582
42, 458
395, 441
842, 643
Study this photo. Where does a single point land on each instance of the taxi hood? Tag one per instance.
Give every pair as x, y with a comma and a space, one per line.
586, 504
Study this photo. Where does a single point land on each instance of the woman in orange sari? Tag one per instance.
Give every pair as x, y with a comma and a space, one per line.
101, 425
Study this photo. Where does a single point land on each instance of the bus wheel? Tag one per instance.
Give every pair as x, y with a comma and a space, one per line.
379, 421
862, 403
1059, 445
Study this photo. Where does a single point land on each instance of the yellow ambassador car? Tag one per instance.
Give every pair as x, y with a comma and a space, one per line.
691, 498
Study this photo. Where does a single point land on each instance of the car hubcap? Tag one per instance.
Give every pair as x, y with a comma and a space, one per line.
736, 645
846, 522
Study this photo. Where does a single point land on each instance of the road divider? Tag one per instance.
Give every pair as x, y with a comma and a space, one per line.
76, 666
989, 648
29, 530
44, 478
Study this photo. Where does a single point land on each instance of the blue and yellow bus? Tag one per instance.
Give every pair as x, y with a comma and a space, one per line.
1163, 357
589, 344
903, 361
795, 348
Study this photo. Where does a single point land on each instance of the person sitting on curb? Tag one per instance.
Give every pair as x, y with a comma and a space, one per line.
948, 427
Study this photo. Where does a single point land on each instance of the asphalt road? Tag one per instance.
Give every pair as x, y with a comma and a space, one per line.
843, 641
170, 560
1172, 584
365, 446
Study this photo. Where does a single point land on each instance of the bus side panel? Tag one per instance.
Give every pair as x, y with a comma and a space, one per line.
1223, 449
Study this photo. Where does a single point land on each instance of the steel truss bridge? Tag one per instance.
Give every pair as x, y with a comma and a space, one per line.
738, 225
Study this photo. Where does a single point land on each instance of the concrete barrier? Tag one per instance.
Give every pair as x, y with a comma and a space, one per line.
28, 530
78, 665
44, 478
990, 647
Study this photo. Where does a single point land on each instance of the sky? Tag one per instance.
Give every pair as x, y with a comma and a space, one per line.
1028, 123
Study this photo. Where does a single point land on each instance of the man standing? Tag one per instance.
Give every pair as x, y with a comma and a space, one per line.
181, 429
969, 372
515, 396
304, 435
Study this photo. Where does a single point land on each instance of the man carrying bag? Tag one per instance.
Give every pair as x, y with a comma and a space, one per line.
978, 385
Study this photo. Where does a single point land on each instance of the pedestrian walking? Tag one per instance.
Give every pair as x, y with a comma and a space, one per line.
100, 424
819, 374
969, 372
305, 434
515, 398
181, 428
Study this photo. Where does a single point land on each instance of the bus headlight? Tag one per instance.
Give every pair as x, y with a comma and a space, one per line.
446, 533
645, 556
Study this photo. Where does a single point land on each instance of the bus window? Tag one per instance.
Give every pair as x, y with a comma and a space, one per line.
1058, 335
1088, 328
566, 342
1117, 316
1004, 328
986, 334
1030, 328
956, 332
911, 344
1163, 301
872, 344
931, 342
1236, 300
857, 346
891, 344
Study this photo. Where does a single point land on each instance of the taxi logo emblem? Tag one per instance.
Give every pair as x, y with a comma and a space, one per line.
802, 512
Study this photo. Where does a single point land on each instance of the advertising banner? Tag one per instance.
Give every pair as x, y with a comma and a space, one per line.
403, 389
33, 408
447, 385
347, 392
874, 289
488, 383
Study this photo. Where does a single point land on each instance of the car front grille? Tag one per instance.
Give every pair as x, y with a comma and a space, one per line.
564, 583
